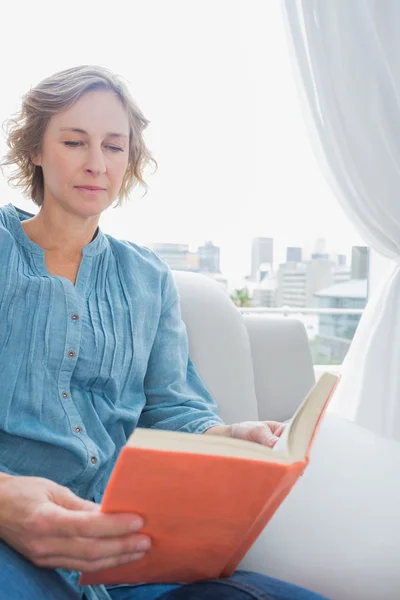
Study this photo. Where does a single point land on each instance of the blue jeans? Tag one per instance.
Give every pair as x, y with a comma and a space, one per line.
22, 580
243, 585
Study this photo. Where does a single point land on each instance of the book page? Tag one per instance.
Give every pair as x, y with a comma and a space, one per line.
297, 436
177, 441
282, 445
291, 446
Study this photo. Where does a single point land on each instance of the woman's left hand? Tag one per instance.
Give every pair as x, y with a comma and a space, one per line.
262, 432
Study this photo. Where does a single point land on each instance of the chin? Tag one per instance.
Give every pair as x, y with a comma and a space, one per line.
88, 207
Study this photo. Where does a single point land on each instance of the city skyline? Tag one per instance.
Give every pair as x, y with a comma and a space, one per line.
235, 159
180, 256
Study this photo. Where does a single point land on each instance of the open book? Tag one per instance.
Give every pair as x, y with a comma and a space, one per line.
205, 499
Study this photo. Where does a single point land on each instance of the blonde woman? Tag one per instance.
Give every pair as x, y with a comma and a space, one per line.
92, 344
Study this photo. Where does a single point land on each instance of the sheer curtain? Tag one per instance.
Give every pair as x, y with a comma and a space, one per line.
346, 56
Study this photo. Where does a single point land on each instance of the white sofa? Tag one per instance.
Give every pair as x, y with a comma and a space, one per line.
338, 532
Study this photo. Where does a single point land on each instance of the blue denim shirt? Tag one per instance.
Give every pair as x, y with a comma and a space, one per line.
82, 365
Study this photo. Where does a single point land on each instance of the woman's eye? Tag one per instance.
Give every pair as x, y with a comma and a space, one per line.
115, 148
75, 144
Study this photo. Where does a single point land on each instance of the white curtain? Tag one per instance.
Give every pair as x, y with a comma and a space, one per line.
346, 56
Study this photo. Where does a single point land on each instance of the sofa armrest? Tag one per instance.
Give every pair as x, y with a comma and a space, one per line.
336, 532
282, 364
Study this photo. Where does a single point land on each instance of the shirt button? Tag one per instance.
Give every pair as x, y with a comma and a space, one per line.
74, 317
71, 354
93, 460
77, 429
64, 395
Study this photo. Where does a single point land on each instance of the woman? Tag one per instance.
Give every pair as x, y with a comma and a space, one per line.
92, 344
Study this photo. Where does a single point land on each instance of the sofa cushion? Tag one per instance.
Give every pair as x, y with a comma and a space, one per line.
219, 345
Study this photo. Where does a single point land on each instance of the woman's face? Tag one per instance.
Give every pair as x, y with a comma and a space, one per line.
84, 154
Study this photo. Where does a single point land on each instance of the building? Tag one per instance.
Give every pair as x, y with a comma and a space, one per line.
192, 261
177, 256
315, 248
262, 251
297, 283
263, 291
341, 274
359, 262
335, 332
340, 259
264, 271
319, 256
209, 258
294, 254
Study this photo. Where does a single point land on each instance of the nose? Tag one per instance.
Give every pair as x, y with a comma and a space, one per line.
95, 163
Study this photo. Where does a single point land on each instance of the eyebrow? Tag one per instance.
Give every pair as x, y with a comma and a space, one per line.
78, 130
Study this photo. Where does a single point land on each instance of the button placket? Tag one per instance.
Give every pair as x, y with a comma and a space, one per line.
74, 297
72, 340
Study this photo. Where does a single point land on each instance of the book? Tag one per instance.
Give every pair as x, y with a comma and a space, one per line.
205, 499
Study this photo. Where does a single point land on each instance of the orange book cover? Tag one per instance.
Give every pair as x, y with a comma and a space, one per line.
203, 507
283, 490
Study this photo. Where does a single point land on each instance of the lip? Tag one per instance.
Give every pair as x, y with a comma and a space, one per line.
89, 189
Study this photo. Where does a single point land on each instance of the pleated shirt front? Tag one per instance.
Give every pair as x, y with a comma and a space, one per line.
82, 365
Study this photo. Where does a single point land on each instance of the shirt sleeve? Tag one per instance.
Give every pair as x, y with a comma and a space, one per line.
176, 397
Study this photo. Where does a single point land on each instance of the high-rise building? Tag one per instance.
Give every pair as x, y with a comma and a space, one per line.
336, 331
265, 270
209, 256
193, 261
297, 283
264, 292
359, 262
177, 256
294, 254
262, 251
319, 256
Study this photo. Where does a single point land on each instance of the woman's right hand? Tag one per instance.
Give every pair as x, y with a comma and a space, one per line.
54, 528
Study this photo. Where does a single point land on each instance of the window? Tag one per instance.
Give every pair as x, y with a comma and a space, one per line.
235, 160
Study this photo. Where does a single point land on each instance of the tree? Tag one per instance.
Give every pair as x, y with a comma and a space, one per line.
241, 297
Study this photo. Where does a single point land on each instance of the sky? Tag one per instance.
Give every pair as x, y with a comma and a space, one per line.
214, 77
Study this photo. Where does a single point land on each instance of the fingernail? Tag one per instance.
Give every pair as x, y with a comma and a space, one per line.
143, 545
137, 524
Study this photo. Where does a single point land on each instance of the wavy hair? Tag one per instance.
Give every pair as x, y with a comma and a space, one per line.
57, 93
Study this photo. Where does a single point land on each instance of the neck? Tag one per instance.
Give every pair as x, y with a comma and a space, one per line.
58, 231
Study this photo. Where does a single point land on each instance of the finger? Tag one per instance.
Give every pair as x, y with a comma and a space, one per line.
61, 522
274, 426
87, 549
63, 562
263, 435
268, 440
64, 497
279, 430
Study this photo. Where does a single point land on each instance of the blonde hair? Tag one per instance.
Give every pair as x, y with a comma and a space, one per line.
54, 94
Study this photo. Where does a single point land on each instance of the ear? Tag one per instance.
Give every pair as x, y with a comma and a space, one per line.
37, 159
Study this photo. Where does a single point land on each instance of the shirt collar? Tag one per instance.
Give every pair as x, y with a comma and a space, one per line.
16, 215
